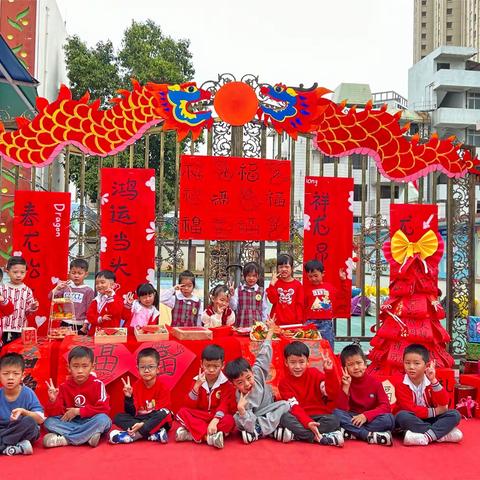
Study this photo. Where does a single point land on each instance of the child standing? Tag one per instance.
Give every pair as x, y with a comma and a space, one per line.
20, 411
422, 402
285, 293
78, 409
186, 307
248, 300
143, 310
107, 308
258, 414
147, 404
310, 392
207, 414
75, 289
319, 299
218, 312
20, 296
363, 406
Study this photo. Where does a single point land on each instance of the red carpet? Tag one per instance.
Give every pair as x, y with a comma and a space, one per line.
265, 459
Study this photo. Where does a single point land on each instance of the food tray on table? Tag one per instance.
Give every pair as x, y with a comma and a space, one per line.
300, 332
59, 333
258, 332
110, 335
192, 333
151, 333
61, 311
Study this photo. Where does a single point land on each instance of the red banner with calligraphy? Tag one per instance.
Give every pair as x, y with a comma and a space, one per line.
128, 225
229, 198
328, 234
41, 228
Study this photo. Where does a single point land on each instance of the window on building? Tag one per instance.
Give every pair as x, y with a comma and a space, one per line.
424, 25
424, 14
328, 159
473, 137
449, 38
357, 193
424, 2
473, 100
424, 36
356, 161
478, 206
424, 47
386, 191
443, 66
422, 57
449, 11
449, 24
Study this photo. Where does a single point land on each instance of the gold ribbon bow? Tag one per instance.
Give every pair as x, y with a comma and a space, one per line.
402, 248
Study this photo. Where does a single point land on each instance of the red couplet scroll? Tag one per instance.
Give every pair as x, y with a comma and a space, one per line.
328, 234
128, 225
40, 235
234, 198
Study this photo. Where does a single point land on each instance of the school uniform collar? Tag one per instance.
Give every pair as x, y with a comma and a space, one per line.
181, 296
221, 379
244, 286
425, 382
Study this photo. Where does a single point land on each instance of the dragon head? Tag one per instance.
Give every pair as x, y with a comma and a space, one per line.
286, 99
178, 105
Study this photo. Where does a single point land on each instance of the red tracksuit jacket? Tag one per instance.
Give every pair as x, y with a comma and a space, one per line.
90, 397
367, 396
287, 302
314, 392
115, 308
146, 400
220, 399
434, 396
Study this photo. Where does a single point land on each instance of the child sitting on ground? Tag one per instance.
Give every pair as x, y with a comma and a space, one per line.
20, 296
285, 293
310, 392
249, 300
78, 409
363, 406
147, 404
258, 414
20, 411
186, 307
422, 402
208, 408
218, 313
107, 308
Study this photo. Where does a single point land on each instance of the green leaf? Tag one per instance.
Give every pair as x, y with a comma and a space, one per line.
8, 176
4, 255
23, 14
7, 205
14, 24
16, 49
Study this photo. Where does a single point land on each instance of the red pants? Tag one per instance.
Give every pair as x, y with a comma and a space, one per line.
196, 422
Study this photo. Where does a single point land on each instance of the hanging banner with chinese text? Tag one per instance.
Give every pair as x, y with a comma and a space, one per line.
128, 225
229, 198
328, 235
41, 228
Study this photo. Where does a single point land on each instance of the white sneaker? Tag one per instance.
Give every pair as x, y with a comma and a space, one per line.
380, 438
334, 439
51, 440
21, 448
412, 438
454, 436
248, 437
94, 439
183, 435
215, 440
282, 434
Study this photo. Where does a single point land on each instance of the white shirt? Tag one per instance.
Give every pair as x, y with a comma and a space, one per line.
418, 390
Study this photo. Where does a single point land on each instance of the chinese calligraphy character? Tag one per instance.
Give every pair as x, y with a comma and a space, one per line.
120, 215
276, 199
116, 265
121, 241
29, 215
220, 199
194, 171
250, 174
27, 243
224, 172
192, 226
321, 252
404, 227
34, 271
125, 190
249, 226
319, 228
320, 201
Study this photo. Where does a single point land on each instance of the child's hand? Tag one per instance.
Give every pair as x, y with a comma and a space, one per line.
430, 372
313, 426
84, 329
441, 409
135, 428
106, 318
242, 403
274, 279
127, 388
179, 286
130, 297
109, 292
200, 380
60, 285
346, 380
212, 426
359, 420
327, 362
17, 413
34, 306
342, 274
51, 390
231, 288
272, 327
70, 414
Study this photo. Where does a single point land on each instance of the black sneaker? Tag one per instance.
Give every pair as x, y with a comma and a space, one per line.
380, 438
334, 439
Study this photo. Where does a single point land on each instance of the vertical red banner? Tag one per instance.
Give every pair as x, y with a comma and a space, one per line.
328, 233
41, 228
128, 225
414, 220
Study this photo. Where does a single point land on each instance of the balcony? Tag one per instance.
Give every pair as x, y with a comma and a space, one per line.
455, 117
456, 80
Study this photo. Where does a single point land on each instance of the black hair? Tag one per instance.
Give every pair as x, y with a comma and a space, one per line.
12, 261
213, 352
351, 351
108, 274
186, 274
251, 267
12, 359
236, 367
312, 265
148, 352
79, 263
221, 288
285, 259
147, 289
1, 274
299, 349
81, 352
418, 349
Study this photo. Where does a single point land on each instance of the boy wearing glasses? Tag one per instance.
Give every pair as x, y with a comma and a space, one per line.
147, 404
